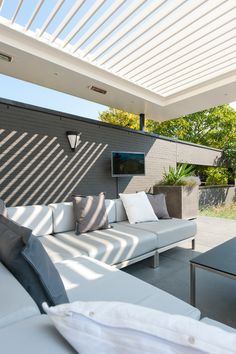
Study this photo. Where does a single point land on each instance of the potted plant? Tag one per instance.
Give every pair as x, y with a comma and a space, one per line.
181, 189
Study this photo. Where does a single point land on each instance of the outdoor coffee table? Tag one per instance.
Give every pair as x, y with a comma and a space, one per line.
220, 260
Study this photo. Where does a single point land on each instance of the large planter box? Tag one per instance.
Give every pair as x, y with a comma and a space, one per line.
182, 201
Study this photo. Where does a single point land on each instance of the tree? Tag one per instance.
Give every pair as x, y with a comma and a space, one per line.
216, 175
117, 117
214, 127
126, 120
229, 155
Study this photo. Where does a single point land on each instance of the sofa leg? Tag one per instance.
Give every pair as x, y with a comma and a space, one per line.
156, 261
193, 244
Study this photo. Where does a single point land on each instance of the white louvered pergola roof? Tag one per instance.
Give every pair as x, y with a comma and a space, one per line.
164, 58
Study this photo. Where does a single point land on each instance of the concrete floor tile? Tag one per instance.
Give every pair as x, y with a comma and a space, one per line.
215, 294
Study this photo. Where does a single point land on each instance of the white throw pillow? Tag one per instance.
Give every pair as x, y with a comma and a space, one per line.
121, 328
137, 207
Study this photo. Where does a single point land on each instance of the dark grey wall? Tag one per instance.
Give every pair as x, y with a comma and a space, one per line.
216, 195
37, 165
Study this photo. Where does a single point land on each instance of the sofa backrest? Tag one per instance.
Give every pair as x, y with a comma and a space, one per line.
120, 211
58, 217
38, 218
15, 303
111, 210
63, 215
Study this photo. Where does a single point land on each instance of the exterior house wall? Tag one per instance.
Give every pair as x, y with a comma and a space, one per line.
38, 166
198, 155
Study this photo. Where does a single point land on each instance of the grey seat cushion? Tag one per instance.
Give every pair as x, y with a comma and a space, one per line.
47, 274
168, 231
90, 213
211, 322
113, 245
158, 203
35, 335
59, 250
87, 279
15, 303
25, 257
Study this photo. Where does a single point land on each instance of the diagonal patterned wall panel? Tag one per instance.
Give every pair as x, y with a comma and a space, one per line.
38, 167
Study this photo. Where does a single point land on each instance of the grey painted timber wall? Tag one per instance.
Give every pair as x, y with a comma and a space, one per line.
38, 167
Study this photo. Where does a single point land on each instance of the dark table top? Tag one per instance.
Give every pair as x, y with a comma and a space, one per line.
221, 258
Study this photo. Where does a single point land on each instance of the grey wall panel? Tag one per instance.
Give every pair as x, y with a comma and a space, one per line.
37, 165
198, 155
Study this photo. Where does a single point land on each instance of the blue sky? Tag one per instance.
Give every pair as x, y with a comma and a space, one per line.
26, 92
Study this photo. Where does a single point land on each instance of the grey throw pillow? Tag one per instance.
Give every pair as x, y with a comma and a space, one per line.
158, 203
24, 256
90, 213
3, 209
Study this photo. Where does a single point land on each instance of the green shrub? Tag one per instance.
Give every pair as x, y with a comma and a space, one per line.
216, 175
229, 155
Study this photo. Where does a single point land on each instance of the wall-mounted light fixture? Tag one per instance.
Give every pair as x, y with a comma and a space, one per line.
73, 138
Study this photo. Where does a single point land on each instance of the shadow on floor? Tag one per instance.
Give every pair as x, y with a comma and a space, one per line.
215, 294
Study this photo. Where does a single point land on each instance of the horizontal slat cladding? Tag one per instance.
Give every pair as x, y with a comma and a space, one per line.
38, 166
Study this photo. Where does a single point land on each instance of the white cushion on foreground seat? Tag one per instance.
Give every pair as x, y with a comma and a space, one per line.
115, 328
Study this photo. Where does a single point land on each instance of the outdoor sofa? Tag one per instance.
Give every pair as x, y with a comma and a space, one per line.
120, 245
85, 273
24, 330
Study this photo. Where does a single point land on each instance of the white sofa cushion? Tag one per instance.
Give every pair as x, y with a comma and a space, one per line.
111, 210
63, 215
114, 328
167, 231
138, 208
38, 218
59, 250
35, 335
15, 303
87, 279
112, 246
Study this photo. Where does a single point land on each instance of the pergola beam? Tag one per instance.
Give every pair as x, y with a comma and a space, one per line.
169, 50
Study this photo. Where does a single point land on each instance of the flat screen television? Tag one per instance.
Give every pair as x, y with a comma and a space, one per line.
126, 163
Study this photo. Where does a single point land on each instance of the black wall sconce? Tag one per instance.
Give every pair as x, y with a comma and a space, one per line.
73, 138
